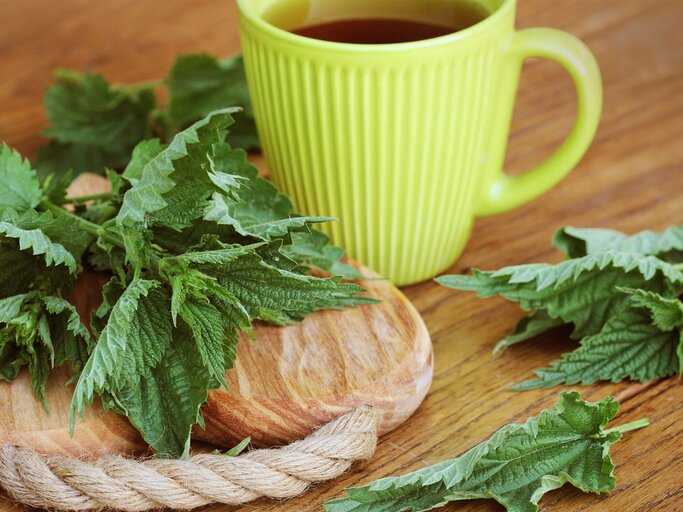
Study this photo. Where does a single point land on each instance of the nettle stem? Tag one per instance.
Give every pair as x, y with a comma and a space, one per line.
91, 197
627, 427
86, 225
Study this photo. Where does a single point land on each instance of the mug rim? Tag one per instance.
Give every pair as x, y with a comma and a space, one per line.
245, 8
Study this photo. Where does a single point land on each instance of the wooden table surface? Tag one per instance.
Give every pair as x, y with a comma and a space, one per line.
631, 179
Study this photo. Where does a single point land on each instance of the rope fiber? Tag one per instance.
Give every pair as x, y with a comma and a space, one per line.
118, 483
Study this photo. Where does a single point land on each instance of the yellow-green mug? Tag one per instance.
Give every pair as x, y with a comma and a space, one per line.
405, 142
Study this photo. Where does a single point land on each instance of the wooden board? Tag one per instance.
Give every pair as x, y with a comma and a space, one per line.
286, 382
631, 179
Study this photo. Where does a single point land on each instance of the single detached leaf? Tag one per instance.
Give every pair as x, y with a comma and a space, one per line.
200, 84
628, 347
578, 242
515, 467
582, 290
19, 186
257, 209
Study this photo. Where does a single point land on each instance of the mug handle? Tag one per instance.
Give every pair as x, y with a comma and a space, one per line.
505, 192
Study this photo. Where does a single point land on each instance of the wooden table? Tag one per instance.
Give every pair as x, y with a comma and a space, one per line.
631, 179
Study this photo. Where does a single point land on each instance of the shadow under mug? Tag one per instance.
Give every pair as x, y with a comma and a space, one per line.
405, 142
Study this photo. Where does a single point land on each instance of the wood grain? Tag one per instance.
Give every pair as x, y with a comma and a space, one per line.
631, 179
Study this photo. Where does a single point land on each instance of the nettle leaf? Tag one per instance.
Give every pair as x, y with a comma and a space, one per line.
277, 295
174, 187
93, 124
199, 84
10, 306
106, 359
516, 467
63, 230
25, 270
667, 313
19, 186
311, 248
74, 341
583, 290
143, 154
36, 241
527, 328
578, 242
628, 347
209, 331
165, 405
257, 209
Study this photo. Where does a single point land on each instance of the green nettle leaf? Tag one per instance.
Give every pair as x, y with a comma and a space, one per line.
209, 330
581, 291
165, 404
288, 296
143, 154
25, 270
93, 124
516, 467
10, 306
199, 84
111, 348
36, 241
312, 249
527, 328
19, 186
667, 314
578, 242
75, 342
257, 209
175, 186
628, 347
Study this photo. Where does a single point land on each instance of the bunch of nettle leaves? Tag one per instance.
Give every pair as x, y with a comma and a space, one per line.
198, 246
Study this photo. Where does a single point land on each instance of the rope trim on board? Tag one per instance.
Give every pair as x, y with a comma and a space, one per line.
64, 483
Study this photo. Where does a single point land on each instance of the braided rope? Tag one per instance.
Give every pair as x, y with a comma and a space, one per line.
64, 483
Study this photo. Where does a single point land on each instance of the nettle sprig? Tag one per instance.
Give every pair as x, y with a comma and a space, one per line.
198, 247
516, 466
620, 293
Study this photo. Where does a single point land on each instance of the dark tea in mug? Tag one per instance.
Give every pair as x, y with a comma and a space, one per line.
402, 21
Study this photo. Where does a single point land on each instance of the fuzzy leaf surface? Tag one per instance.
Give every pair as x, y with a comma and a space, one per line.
582, 290
19, 186
629, 346
515, 467
199, 84
578, 242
